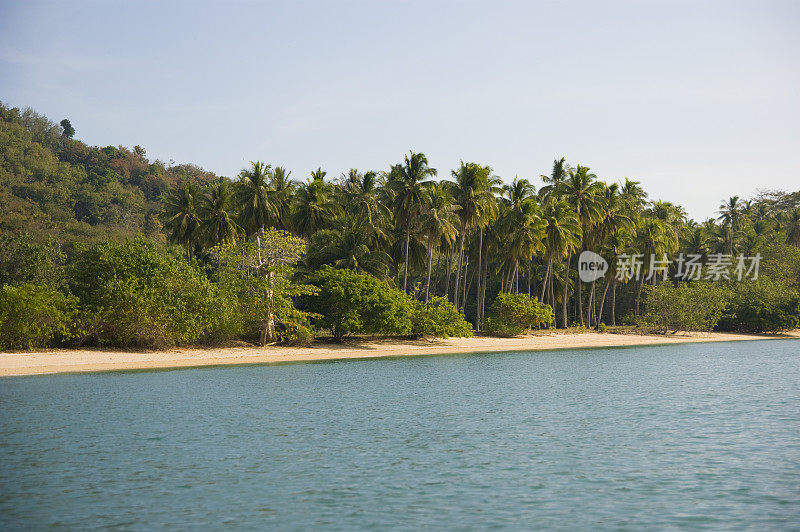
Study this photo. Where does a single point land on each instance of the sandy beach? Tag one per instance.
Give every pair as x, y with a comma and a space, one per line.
86, 360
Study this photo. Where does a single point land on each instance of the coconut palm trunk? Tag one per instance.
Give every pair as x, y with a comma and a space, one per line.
460, 261
428, 276
602, 303
564, 296
614, 303
405, 267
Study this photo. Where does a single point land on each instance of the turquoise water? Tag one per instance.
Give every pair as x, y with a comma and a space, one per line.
687, 436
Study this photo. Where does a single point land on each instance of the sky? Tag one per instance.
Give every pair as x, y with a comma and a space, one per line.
697, 100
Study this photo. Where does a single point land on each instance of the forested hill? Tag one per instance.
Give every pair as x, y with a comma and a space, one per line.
52, 184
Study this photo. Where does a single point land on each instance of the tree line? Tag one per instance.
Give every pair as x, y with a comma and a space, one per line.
261, 253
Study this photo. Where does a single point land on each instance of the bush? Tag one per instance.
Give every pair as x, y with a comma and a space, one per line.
438, 317
349, 303
135, 294
34, 316
687, 307
762, 306
602, 328
512, 314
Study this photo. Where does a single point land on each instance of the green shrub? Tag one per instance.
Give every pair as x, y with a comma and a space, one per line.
686, 307
135, 294
512, 314
438, 317
34, 316
602, 328
762, 306
348, 303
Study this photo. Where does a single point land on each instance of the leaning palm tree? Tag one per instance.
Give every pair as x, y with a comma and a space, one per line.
407, 182
217, 223
439, 223
180, 217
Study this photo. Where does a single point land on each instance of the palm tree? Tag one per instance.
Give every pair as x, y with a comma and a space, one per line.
557, 176
349, 245
617, 219
255, 199
633, 195
730, 212
180, 217
217, 224
313, 206
562, 230
472, 190
439, 223
582, 191
362, 198
283, 189
652, 240
792, 227
407, 183
522, 226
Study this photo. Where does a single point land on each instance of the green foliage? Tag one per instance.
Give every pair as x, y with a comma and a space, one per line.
686, 307
512, 314
349, 303
438, 317
761, 306
22, 260
34, 316
258, 276
135, 294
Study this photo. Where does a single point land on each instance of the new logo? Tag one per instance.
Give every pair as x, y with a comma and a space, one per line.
591, 266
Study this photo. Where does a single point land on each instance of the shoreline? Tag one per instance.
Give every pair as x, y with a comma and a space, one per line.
94, 360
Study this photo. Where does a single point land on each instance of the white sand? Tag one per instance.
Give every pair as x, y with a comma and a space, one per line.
86, 360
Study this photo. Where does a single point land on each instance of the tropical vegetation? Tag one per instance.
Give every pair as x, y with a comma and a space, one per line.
103, 246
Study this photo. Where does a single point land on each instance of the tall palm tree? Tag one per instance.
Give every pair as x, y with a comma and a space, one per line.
557, 176
255, 199
439, 223
617, 219
283, 189
522, 226
407, 182
562, 230
217, 222
362, 198
583, 192
314, 208
652, 240
349, 245
472, 190
180, 216
633, 195
729, 213
791, 226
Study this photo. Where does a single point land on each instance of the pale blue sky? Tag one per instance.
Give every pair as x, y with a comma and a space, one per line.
698, 100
